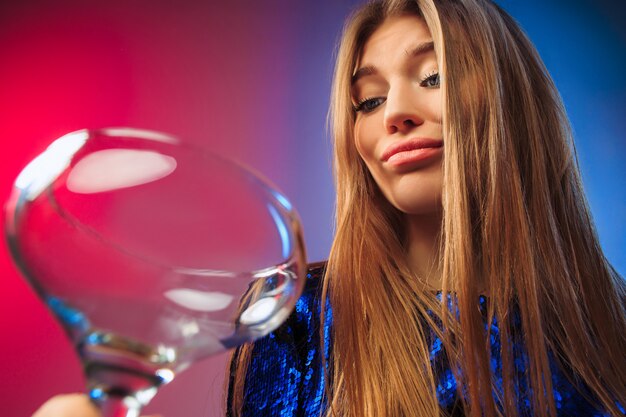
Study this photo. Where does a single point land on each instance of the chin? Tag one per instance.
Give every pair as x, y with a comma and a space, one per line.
417, 196
419, 207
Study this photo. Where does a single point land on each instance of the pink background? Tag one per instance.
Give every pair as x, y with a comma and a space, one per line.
249, 79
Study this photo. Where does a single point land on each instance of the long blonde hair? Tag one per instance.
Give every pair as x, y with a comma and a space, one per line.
515, 222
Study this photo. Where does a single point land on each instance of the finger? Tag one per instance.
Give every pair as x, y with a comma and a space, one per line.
68, 405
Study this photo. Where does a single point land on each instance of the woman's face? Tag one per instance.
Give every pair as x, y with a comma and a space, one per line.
398, 128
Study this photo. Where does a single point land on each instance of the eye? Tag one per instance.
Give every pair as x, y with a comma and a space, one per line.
430, 81
369, 104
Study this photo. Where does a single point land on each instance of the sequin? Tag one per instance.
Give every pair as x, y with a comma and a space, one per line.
285, 375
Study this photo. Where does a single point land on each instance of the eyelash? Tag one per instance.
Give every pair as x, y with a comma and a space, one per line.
362, 105
433, 76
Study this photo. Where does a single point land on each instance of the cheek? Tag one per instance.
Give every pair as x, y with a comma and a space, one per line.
438, 107
360, 143
365, 139
433, 105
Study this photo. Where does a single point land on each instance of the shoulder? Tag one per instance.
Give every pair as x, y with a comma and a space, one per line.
304, 320
314, 276
283, 370
305, 316
300, 331
311, 298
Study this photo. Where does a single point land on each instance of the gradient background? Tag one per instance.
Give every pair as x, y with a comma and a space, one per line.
251, 80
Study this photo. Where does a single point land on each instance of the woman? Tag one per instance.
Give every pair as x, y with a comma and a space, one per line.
455, 175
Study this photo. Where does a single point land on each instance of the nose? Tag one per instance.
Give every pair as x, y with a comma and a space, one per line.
401, 110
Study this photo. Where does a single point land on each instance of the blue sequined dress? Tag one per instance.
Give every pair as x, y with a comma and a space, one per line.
285, 376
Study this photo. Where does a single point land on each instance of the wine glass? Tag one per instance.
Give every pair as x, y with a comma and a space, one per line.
152, 254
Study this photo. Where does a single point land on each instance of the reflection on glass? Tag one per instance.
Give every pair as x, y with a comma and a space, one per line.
114, 169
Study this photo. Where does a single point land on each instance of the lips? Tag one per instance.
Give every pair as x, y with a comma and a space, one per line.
409, 149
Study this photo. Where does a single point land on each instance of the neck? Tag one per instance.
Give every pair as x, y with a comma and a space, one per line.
423, 248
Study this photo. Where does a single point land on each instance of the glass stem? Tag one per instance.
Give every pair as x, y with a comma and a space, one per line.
118, 391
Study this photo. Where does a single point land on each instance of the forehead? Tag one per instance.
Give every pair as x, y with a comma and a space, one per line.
394, 38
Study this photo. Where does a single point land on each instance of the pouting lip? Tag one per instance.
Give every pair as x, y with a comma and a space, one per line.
409, 145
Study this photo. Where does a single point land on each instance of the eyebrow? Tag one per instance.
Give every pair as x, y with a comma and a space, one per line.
420, 49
